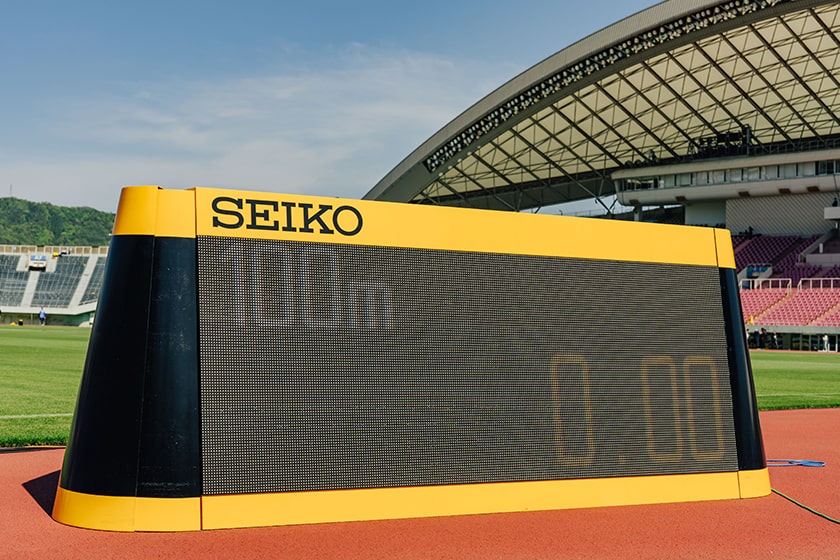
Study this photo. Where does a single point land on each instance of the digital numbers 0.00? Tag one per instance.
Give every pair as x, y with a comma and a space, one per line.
671, 410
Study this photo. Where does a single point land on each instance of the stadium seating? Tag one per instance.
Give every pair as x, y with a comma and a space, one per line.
833, 272
807, 302
55, 289
12, 282
787, 265
799, 271
782, 252
756, 302
831, 318
70, 283
764, 249
94, 286
801, 308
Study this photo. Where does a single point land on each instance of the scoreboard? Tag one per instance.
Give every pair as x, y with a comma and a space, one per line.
273, 359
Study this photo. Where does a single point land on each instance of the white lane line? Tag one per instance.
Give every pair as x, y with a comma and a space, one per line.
22, 416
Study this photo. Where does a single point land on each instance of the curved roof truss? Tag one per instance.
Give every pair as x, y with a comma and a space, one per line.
679, 81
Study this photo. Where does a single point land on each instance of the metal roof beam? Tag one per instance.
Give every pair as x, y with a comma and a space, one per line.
680, 99
555, 165
504, 178
656, 106
589, 137
482, 188
799, 78
717, 102
527, 169
635, 119
766, 82
741, 91
446, 185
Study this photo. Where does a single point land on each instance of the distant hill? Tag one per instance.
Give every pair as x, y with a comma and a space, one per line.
39, 223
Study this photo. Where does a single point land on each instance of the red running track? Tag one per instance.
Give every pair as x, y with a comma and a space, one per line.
767, 527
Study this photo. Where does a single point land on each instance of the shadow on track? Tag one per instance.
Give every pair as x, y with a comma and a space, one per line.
43, 489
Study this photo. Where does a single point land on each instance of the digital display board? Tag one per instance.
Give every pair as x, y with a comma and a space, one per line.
359, 367
267, 359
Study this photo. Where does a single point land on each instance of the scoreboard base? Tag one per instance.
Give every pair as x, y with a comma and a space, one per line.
129, 514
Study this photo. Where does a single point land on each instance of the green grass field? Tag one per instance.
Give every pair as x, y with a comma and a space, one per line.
40, 370
796, 379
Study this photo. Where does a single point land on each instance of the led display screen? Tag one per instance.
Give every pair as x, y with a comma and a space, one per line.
332, 366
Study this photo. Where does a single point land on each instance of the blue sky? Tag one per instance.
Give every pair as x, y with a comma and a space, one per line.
312, 97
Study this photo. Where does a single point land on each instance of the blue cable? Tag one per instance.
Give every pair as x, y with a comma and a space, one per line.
794, 463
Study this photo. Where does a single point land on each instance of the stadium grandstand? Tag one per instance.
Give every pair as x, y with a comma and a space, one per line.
703, 113
63, 281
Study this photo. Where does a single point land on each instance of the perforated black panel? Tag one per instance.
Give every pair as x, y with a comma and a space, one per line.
332, 366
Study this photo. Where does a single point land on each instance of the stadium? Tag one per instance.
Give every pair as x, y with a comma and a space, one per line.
704, 114
709, 115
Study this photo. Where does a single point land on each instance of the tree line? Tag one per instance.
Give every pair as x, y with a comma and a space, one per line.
40, 223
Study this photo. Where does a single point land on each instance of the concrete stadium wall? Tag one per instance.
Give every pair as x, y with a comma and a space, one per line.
794, 214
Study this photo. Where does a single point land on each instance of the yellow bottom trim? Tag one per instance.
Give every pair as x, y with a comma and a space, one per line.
116, 513
126, 513
754, 483
255, 510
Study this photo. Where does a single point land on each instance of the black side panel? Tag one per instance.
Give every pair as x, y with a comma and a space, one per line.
170, 450
136, 427
102, 454
744, 406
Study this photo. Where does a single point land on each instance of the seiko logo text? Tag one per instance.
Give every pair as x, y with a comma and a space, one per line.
234, 213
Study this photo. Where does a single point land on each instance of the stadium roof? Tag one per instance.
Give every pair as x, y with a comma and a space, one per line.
682, 80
